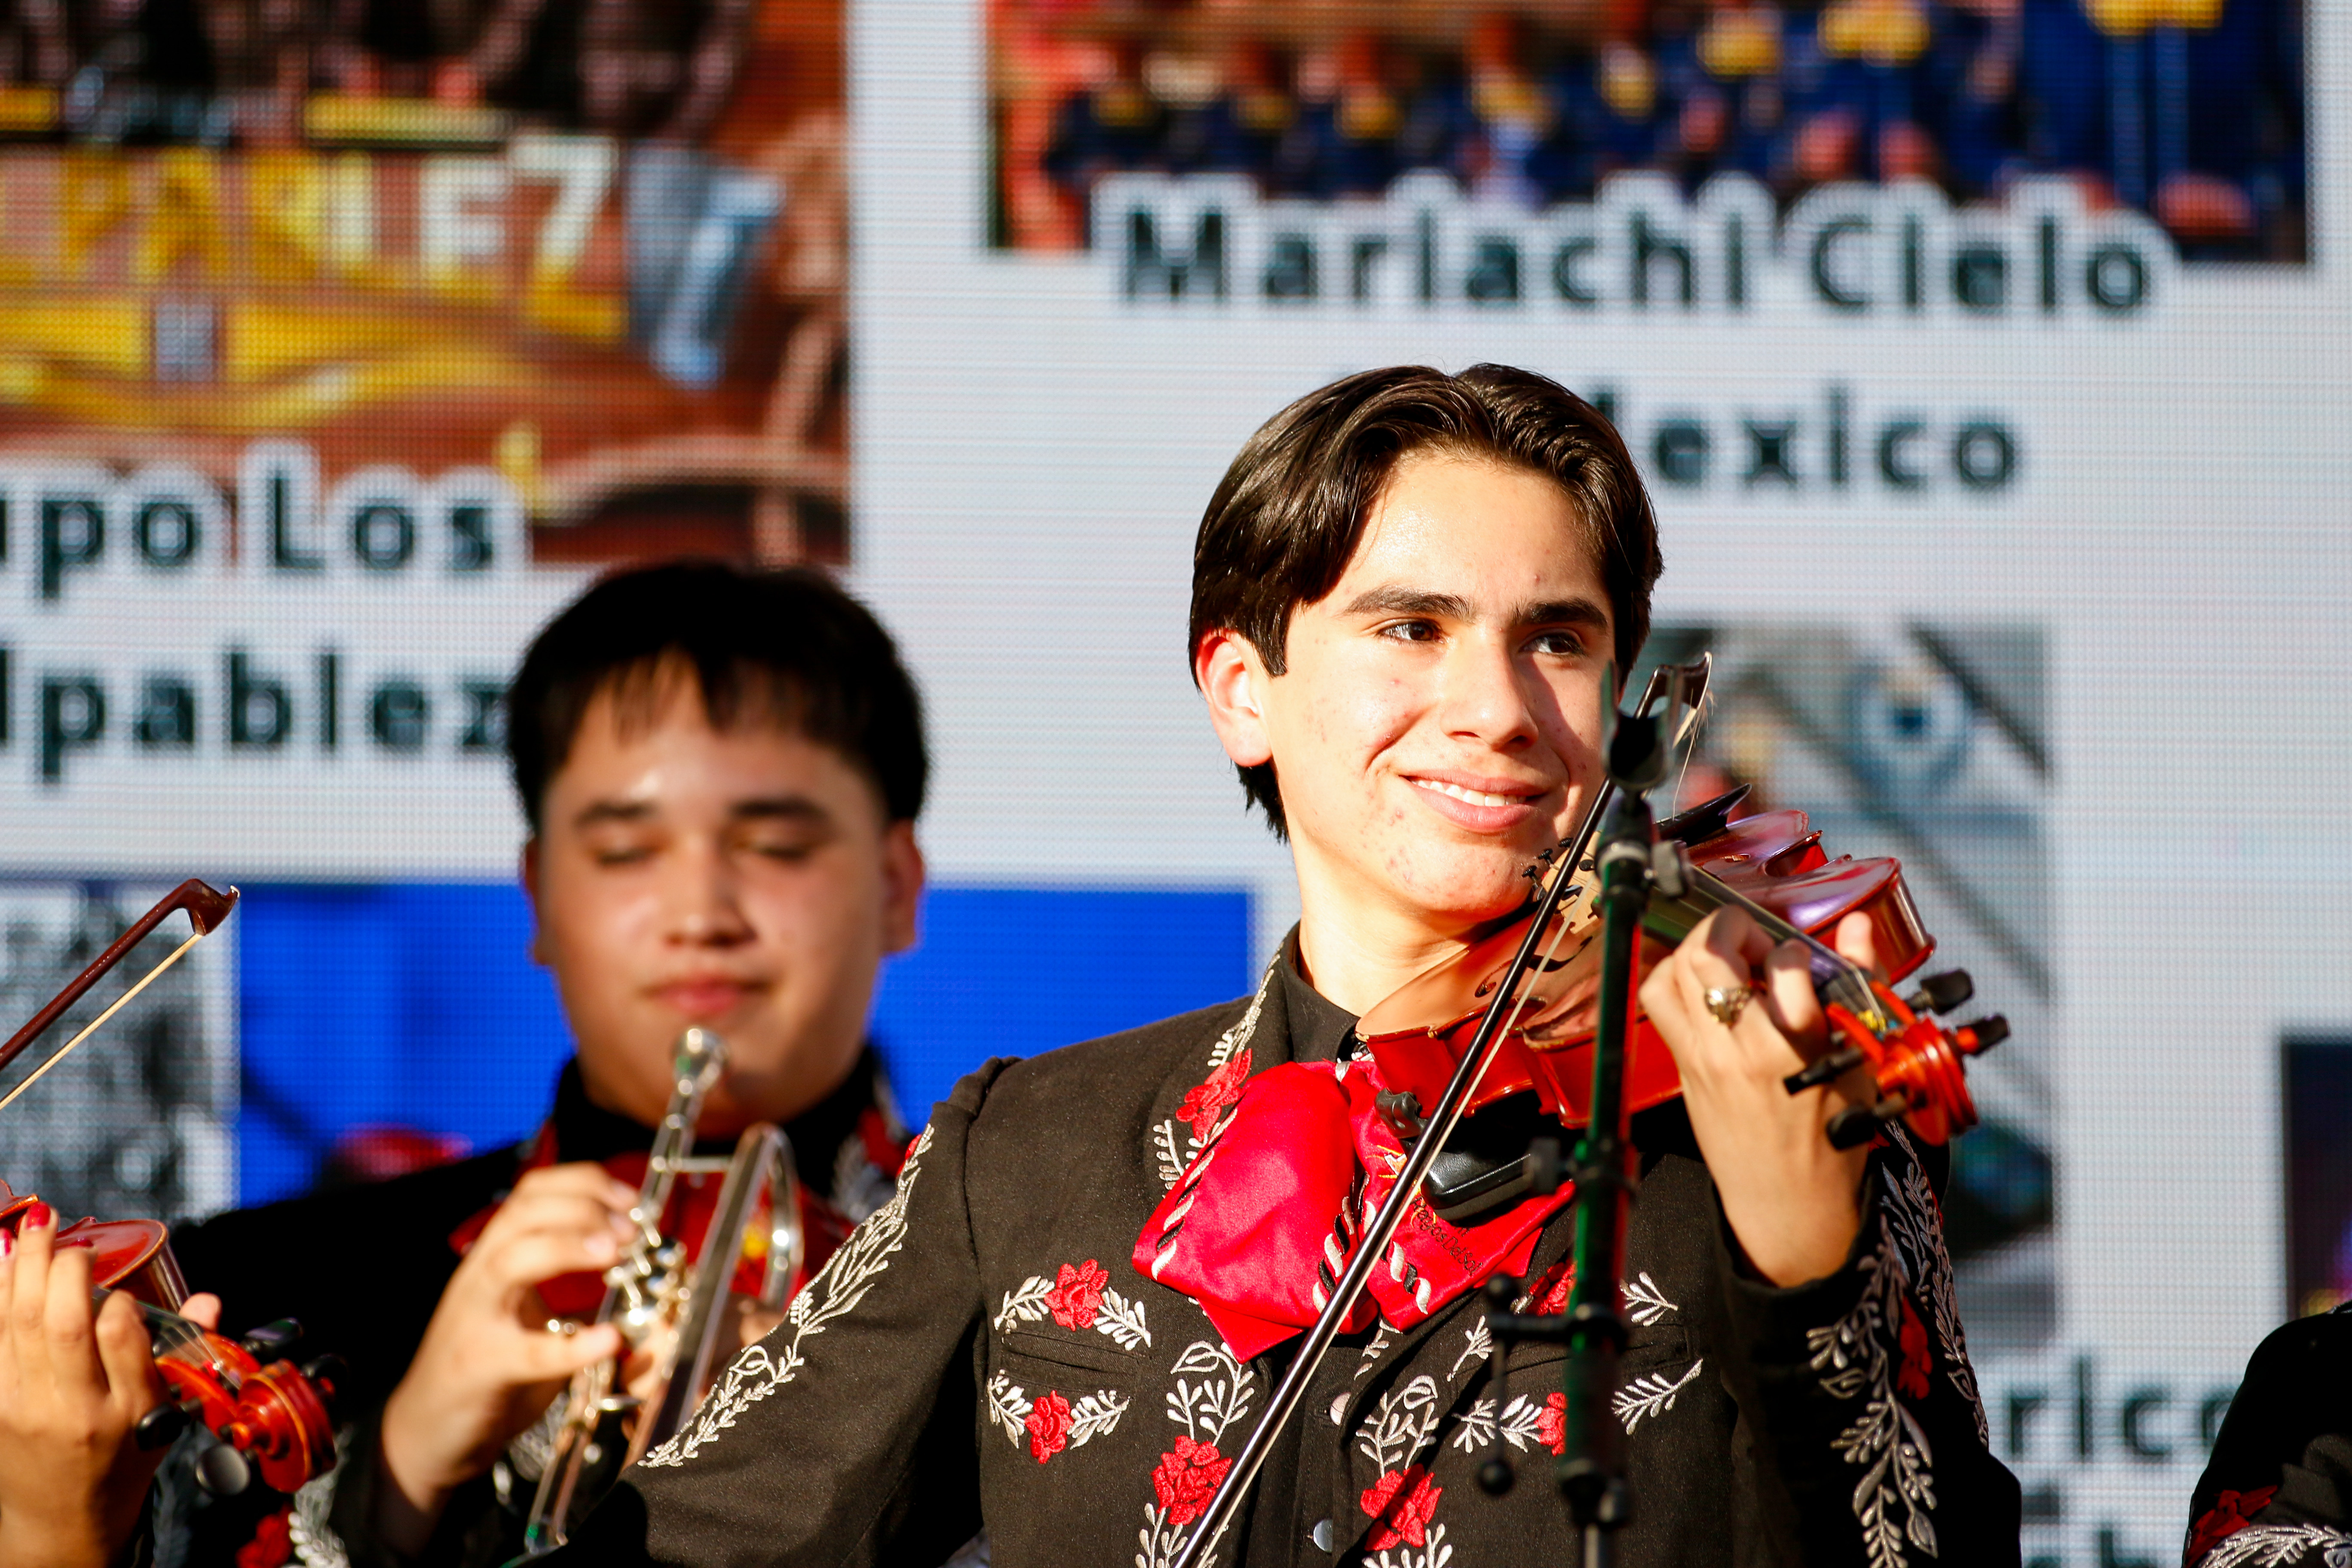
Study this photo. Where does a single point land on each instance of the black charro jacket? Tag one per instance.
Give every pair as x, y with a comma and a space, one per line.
2278, 1489
919, 1391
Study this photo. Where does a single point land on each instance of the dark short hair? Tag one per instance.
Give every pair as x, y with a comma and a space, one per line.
785, 646
1287, 518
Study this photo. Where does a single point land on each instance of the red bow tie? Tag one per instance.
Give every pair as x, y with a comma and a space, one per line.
1266, 1217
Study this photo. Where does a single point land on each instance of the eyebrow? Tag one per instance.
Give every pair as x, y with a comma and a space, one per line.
614, 811
798, 807
765, 808
1396, 599
1561, 612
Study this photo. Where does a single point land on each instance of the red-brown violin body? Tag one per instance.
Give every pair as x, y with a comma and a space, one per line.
275, 1414
1774, 860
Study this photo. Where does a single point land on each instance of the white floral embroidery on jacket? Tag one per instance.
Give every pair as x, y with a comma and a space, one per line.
1650, 1396
1172, 1163
1644, 1302
1896, 1493
1082, 1420
1916, 1221
2279, 1545
1207, 1410
1078, 1297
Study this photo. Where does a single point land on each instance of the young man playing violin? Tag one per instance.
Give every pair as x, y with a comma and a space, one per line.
721, 772
1408, 596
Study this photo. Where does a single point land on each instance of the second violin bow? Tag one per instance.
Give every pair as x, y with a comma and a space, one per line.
206, 907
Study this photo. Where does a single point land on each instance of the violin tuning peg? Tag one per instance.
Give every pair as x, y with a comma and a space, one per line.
1496, 1477
1942, 993
1501, 1290
161, 1427
326, 1374
1983, 1035
1822, 1070
273, 1341
1399, 1110
1858, 1124
220, 1470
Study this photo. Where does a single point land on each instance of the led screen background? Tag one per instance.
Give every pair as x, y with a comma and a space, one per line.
1988, 362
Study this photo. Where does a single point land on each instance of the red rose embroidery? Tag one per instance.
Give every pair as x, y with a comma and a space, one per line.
1403, 1502
1049, 1427
1550, 1292
1207, 1101
1912, 1378
272, 1543
2230, 1514
1552, 1422
1187, 1478
1076, 1295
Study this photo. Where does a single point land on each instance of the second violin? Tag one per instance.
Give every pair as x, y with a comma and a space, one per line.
248, 1409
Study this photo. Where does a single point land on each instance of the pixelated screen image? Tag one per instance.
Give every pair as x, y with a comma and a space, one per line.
1984, 361
2317, 1080
2193, 114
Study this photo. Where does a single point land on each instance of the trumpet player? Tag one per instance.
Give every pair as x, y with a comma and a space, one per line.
721, 772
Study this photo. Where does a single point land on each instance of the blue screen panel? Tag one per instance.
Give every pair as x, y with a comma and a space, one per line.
1011, 972
416, 1005
402, 1004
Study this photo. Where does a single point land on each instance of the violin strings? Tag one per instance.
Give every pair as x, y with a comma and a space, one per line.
169, 1331
120, 1003
170, 1328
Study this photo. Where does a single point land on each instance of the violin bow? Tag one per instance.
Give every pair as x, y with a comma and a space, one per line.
1681, 684
206, 908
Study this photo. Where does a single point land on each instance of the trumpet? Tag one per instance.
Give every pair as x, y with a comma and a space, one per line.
669, 1304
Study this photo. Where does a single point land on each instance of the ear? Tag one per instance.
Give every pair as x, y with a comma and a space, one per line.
530, 891
1234, 678
902, 886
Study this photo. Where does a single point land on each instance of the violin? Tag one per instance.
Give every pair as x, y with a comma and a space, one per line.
1773, 866
252, 1412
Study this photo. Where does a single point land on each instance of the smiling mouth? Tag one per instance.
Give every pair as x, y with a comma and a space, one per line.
1472, 796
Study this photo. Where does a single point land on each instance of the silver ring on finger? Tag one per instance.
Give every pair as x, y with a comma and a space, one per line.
1727, 1001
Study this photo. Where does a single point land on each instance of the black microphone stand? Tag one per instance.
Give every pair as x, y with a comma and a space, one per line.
1592, 1469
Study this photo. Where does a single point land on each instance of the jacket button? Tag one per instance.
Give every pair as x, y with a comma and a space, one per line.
1339, 1410
1323, 1534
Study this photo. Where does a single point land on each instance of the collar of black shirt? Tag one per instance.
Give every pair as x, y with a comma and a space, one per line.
1320, 1029
583, 1130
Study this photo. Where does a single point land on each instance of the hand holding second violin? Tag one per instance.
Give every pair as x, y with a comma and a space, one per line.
489, 1367
74, 1381
1791, 1198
